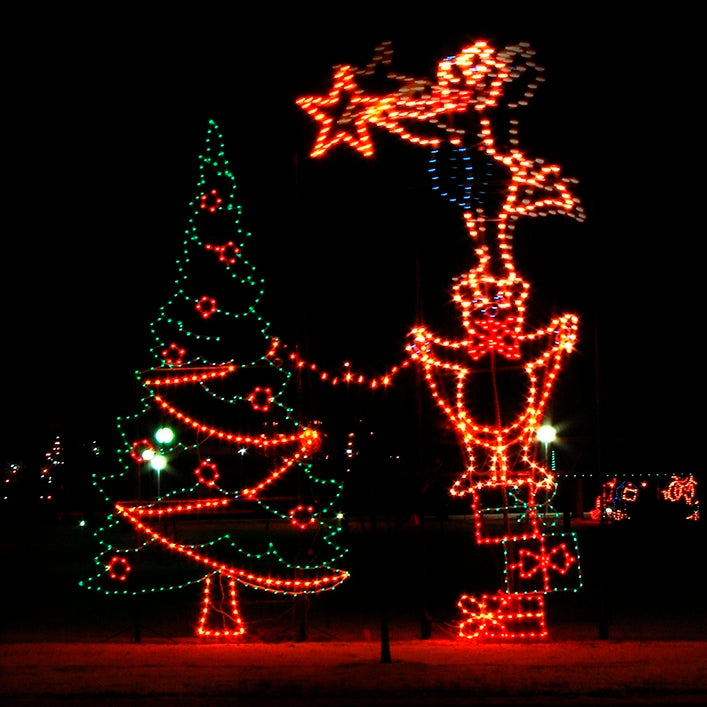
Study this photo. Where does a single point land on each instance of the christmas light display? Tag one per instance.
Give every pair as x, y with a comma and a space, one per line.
481, 170
620, 496
54, 460
24, 484
215, 440
684, 489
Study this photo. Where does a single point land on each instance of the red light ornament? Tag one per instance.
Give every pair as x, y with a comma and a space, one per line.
302, 516
227, 253
210, 201
119, 568
207, 473
174, 355
206, 306
260, 399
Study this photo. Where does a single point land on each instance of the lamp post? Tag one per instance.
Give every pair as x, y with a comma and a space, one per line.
156, 459
157, 463
546, 435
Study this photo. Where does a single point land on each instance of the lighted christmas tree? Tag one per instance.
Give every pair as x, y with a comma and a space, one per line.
492, 377
215, 437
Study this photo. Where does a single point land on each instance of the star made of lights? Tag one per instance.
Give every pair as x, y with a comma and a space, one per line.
343, 114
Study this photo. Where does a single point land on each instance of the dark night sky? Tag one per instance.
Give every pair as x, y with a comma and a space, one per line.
107, 121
